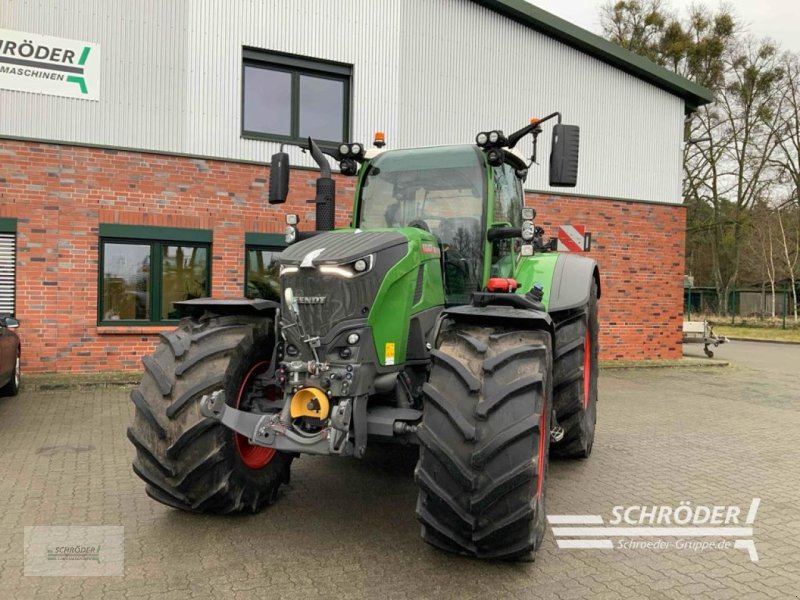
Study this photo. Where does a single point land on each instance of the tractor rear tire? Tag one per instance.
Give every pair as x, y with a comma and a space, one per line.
575, 380
189, 461
484, 442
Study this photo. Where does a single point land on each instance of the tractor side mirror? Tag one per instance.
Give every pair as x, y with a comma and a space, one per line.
564, 156
279, 178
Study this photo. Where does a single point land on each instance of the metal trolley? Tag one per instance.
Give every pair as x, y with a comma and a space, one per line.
702, 332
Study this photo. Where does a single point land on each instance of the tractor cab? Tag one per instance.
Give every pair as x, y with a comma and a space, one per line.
453, 193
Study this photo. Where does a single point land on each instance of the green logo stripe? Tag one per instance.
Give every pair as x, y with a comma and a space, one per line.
80, 81
84, 55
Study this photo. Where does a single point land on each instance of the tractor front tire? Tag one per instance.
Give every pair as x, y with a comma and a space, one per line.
192, 462
484, 442
575, 380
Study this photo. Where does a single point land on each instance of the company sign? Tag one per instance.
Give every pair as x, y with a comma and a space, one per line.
48, 65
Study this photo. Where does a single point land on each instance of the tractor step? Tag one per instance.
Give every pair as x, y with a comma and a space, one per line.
556, 431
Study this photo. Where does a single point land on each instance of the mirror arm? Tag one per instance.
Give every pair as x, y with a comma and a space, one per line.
532, 128
503, 233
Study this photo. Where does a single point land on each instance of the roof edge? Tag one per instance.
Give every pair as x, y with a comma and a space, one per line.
693, 94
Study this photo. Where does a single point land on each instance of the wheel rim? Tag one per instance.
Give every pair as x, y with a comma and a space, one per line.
587, 371
253, 456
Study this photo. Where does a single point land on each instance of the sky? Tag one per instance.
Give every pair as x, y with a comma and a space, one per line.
777, 19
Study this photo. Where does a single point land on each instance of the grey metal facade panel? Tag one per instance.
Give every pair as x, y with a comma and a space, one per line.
424, 71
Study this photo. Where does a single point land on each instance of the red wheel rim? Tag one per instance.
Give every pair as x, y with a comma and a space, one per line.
587, 371
253, 456
540, 465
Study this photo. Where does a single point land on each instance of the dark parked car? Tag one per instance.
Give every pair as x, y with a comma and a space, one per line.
9, 356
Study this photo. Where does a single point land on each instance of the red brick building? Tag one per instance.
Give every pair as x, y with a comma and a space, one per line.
108, 215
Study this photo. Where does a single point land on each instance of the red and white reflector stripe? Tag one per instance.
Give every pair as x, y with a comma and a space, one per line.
572, 238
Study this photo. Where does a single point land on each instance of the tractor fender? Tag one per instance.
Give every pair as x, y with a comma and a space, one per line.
226, 306
522, 318
572, 282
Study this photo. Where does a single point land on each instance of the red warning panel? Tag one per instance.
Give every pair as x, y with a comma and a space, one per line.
572, 238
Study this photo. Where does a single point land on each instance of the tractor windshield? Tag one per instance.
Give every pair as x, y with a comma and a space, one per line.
441, 190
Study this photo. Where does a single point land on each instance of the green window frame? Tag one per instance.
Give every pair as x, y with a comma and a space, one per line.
295, 67
157, 241
255, 286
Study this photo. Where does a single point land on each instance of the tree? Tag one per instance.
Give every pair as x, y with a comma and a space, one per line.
762, 249
727, 160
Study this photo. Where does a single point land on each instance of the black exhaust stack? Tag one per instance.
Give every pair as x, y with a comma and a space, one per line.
326, 190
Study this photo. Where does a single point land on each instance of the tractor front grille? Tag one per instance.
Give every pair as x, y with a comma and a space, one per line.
325, 300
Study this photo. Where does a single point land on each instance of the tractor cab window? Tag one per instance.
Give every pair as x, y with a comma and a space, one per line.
507, 212
440, 190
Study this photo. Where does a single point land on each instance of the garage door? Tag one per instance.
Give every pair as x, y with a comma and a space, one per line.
7, 269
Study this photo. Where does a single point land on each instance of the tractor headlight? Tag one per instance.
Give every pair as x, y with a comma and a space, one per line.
481, 139
352, 339
344, 149
494, 137
356, 149
349, 270
291, 234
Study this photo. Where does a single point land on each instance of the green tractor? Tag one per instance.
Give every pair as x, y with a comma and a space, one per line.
441, 318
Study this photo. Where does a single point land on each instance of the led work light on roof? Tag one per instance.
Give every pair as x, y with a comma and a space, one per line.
495, 157
344, 149
494, 137
481, 139
356, 149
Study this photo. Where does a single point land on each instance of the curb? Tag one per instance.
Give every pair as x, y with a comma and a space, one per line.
118, 380
686, 363
54, 382
763, 341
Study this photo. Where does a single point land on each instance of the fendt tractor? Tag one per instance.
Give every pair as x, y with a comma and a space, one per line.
442, 317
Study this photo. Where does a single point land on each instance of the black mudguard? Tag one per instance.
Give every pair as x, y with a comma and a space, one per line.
226, 306
523, 318
572, 282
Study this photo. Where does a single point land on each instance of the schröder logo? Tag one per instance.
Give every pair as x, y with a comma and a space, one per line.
48, 65
661, 527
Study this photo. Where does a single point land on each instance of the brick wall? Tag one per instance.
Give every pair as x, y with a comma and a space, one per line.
640, 250
60, 195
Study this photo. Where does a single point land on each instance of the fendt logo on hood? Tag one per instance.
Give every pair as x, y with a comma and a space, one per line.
48, 65
310, 299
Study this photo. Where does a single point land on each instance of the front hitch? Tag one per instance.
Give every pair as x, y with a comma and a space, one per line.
270, 431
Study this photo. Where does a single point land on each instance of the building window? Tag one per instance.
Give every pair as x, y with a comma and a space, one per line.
289, 98
261, 266
8, 265
145, 270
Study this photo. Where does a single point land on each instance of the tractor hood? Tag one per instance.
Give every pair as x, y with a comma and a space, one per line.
321, 271
340, 247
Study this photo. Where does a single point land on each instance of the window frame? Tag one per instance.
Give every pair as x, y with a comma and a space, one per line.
8, 226
157, 238
296, 66
273, 242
